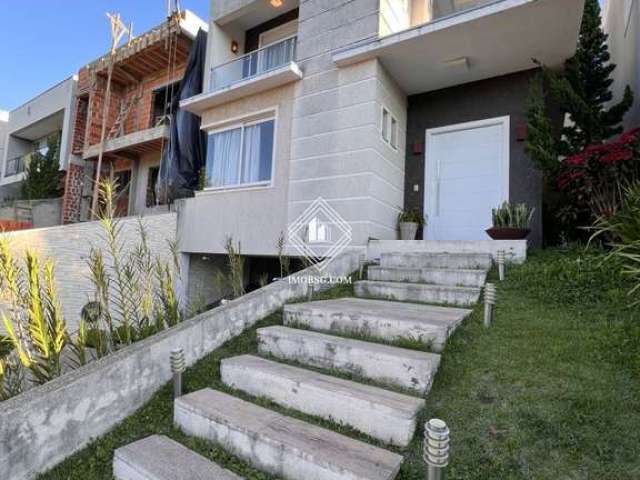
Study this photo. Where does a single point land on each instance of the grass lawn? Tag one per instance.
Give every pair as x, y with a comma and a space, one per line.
550, 391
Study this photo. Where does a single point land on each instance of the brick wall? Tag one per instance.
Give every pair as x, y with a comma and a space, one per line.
72, 199
139, 117
80, 124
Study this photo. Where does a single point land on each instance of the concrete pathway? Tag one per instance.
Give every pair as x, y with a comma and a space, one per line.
378, 391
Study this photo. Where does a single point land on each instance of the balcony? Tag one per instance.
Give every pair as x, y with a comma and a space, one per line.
471, 40
257, 71
396, 16
17, 165
253, 64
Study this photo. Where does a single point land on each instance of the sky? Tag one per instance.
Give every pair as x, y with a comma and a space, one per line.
42, 42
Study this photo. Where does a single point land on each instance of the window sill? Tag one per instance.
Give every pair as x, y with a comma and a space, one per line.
235, 188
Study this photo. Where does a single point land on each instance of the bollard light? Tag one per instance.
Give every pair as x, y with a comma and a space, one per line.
435, 448
489, 302
500, 259
178, 365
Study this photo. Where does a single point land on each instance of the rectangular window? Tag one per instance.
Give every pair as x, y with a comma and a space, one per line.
394, 133
151, 199
385, 124
241, 156
389, 128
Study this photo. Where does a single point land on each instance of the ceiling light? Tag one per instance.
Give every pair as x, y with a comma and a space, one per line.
461, 64
276, 3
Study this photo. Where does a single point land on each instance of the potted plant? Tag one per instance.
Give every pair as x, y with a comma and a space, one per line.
408, 223
510, 221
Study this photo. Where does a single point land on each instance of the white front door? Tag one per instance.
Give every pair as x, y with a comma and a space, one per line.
466, 175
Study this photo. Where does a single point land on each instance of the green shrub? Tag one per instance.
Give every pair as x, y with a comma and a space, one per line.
412, 215
510, 215
5, 346
624, 228
43, 178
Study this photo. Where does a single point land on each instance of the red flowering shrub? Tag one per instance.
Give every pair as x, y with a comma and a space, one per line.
595, 179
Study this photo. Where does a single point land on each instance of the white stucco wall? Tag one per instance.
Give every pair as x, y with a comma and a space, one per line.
254, 216
621, 20
58, 100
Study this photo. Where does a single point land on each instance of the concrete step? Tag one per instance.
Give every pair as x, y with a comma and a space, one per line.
478, 261
382, 414
438, 276
159, 458
391, 365
378, 318
417, 292
280, 445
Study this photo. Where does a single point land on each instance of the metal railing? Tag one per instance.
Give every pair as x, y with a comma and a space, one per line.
16, 165
253, 64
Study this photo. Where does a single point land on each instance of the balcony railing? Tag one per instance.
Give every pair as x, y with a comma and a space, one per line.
254, 64
17, 165
396, 15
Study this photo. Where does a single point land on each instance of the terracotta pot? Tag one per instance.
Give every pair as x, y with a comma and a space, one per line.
507, 233
408, 230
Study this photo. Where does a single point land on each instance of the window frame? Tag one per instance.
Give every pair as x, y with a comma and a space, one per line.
389, 122
242, 124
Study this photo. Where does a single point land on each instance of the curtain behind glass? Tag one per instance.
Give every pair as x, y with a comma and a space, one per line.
251, 162
223, 157
277, 54
258, 153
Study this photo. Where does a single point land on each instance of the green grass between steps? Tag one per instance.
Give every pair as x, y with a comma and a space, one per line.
550, 391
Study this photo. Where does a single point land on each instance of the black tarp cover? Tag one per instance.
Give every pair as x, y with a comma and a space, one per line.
185, 152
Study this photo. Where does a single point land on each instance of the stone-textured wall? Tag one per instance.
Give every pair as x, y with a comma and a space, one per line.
491, 98
69, 246
205, 284
336, 146
45, 425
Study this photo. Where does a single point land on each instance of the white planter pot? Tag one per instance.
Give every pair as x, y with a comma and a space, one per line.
408, 230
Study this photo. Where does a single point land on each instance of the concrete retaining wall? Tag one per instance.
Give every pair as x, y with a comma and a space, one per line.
515, 250
45, 425
46, 212
69, 246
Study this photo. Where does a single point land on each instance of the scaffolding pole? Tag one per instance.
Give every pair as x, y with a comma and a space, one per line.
118, 29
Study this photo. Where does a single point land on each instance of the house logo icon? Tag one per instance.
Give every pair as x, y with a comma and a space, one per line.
318, 231
319, 234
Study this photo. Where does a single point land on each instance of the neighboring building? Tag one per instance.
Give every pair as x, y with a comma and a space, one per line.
28, 130
4, 128
147, 72
374, 105
621, 20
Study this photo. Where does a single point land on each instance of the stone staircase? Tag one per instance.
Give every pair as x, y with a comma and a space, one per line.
337, 360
